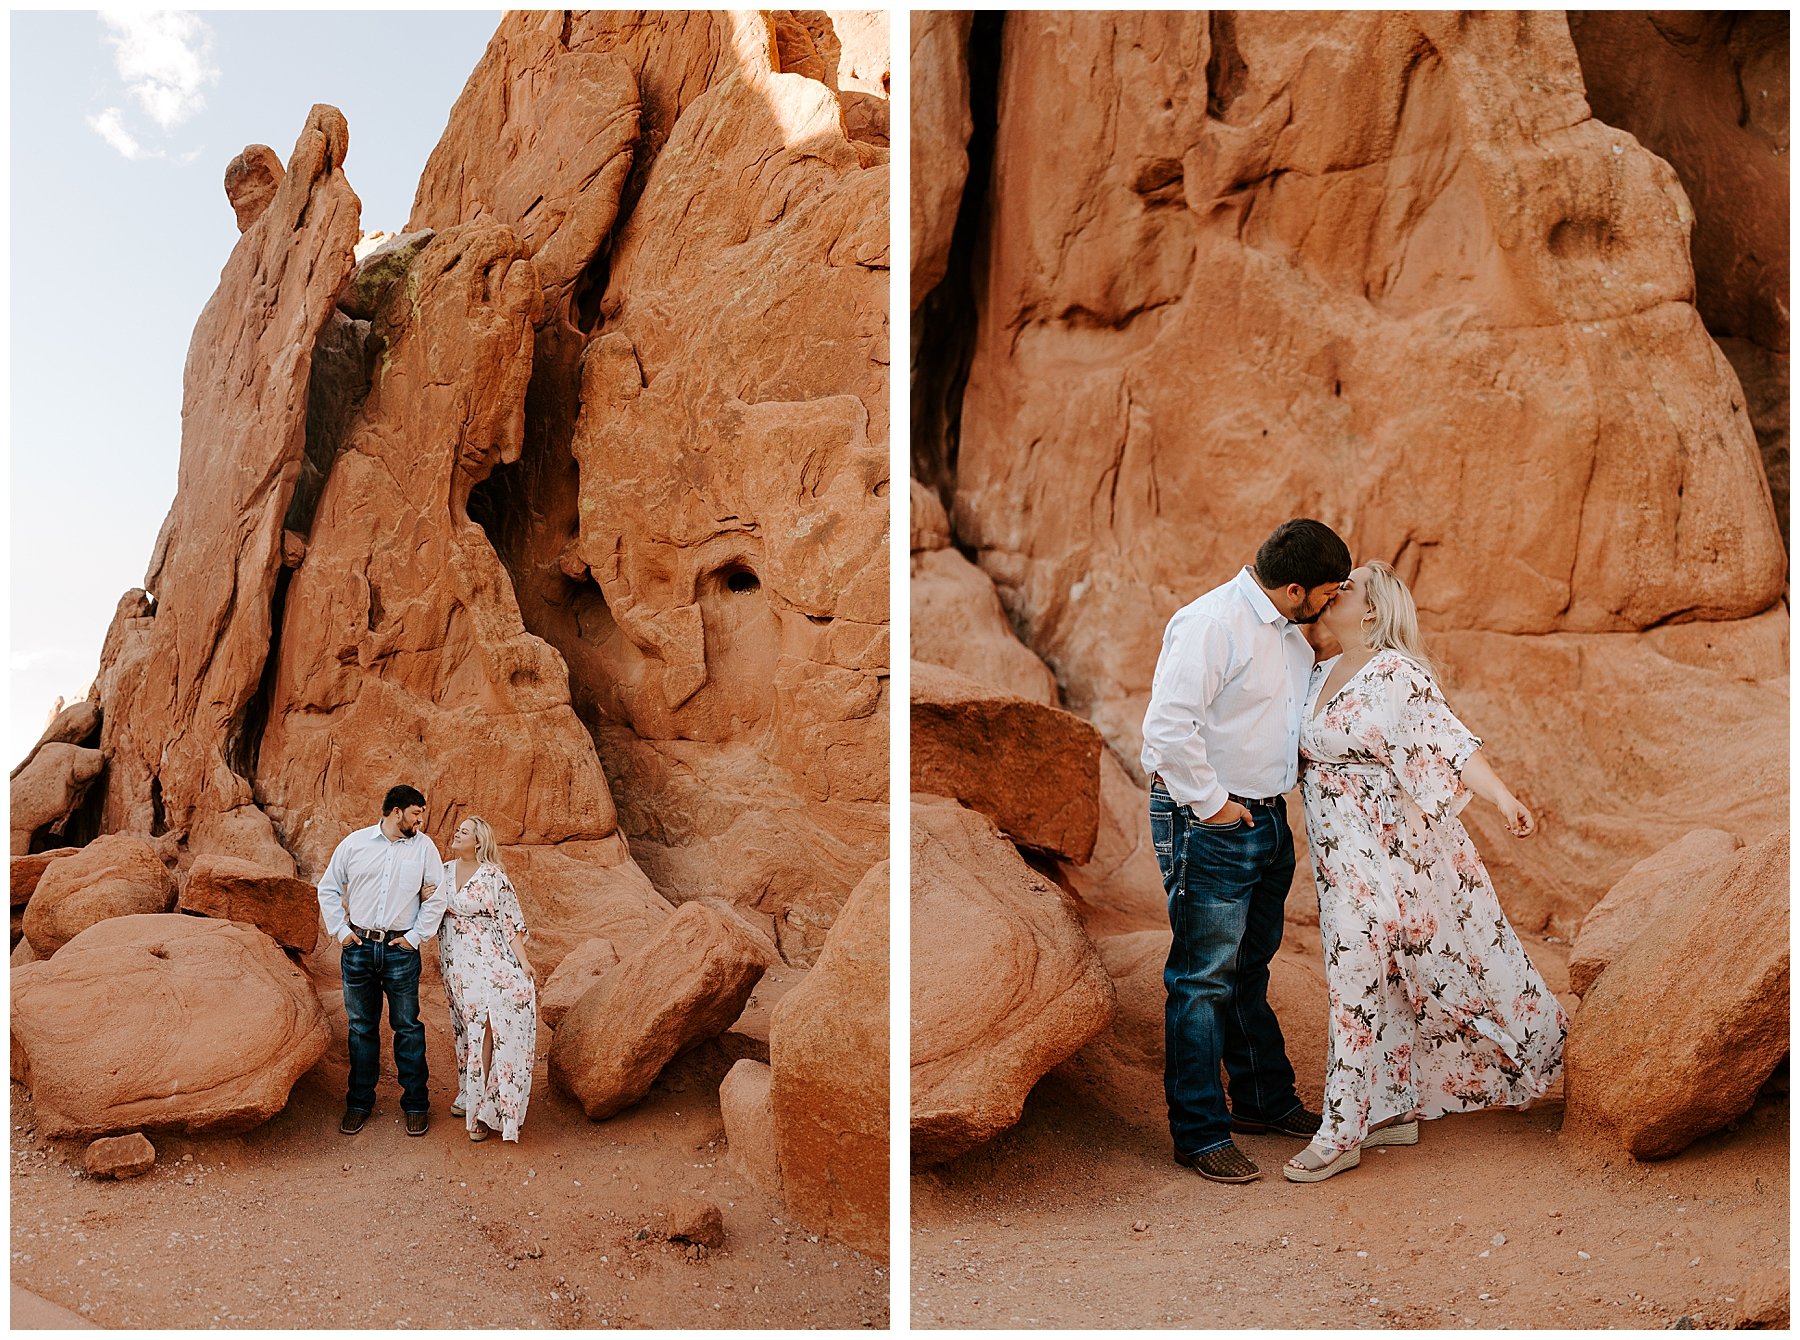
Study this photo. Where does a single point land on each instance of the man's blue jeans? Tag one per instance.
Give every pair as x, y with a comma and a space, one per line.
372, 971
1225, 888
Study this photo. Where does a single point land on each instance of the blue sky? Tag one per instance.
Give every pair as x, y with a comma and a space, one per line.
119, 227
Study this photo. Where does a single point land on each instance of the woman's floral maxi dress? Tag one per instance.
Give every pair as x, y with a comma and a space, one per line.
489, 991
1434, 1006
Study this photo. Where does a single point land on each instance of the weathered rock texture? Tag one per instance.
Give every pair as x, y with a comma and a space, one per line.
828, 1057
940, 140
698, 514
1005, 984
1034, 770
579, 971
191, 718
114, 876
1682, 1029
28, 870
75, 724
251, 180
958, 622
120, 1156
1384, 269
1708, 91
282, 907
683, 985
749, 1120
567, 504
49, 788
1649, 892
124, 1029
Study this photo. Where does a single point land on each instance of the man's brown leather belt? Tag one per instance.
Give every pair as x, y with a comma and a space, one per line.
1248, 802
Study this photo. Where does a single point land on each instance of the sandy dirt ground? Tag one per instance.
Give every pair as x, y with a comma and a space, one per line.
296, 1225
1078, 1217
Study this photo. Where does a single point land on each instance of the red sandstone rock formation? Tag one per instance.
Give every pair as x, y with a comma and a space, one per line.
1647, 895
1034, 770
940, 140
579, 971
749, 1119
1404, 281
79, 723
1004, 983
683, 985
1683, 1028
123, 1030
1708, 91
957, 618
251, 180
49, 788
28, 870
191, 719
696, 521
828, 1085
113, 876
568, 504
283, 908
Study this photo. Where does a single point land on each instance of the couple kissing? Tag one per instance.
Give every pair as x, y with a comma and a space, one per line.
1434, 1006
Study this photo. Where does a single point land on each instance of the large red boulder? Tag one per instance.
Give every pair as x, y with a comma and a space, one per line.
682, 985
113, 876
162, 1022
1682, 1029
28, 870
1647, 893
1005, 984
580, 970
1033, 769
282, 907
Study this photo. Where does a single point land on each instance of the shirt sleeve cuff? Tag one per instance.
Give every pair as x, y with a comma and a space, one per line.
1210, 803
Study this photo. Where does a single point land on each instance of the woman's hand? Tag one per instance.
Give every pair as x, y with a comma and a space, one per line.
1519, 821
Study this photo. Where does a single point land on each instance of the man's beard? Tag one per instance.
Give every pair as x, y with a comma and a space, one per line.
1310, 618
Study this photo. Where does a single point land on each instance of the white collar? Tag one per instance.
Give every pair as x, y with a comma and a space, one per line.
1259, 598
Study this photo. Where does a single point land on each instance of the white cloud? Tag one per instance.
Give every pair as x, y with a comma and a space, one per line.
110, 126
165, 59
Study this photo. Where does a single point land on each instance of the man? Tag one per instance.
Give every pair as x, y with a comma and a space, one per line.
1221, 745
383, 896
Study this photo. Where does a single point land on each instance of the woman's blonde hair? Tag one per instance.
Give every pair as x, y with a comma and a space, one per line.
1394, 625
487, 851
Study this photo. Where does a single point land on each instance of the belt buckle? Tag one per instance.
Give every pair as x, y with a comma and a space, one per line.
380, 937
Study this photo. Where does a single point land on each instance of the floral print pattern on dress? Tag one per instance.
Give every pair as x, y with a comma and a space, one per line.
1435, 1006
489, 991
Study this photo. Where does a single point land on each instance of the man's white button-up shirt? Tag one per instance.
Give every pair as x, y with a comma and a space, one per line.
1224, 715
380, 881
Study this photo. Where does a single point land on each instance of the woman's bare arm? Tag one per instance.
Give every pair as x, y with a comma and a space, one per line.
1481, 778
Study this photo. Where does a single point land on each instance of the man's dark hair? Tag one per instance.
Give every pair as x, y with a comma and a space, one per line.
1302, 552
401, 797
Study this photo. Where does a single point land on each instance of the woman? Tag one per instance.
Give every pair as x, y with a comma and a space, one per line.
491, 986
1434, 1006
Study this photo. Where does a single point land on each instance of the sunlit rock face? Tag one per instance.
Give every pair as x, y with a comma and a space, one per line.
698, 519
1390, 271
567, 504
